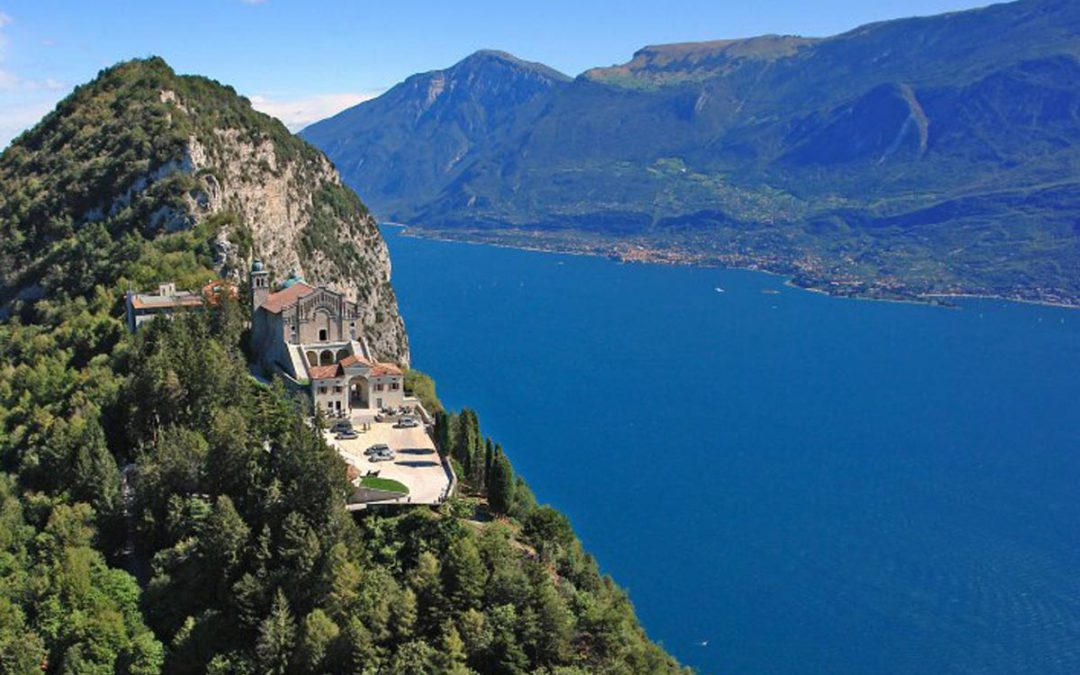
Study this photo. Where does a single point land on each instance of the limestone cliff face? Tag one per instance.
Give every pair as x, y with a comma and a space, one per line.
281, 210
141, 151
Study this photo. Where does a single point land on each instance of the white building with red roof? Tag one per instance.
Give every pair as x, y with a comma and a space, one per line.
312, 337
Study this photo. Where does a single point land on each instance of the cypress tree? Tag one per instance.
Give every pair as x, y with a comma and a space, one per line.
501, 485
489, 457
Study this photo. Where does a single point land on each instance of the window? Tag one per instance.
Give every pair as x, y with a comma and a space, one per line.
394, 386
337, 389
378, 387
322, 390
322, 335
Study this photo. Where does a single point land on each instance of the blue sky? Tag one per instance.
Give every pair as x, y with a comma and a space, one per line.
302, 61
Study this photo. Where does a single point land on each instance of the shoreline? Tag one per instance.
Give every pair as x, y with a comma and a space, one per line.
935, 299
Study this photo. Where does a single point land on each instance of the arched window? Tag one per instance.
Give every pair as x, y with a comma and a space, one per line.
326, 358
312, 359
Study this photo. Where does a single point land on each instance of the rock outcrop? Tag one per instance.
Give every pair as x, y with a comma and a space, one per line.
143, 151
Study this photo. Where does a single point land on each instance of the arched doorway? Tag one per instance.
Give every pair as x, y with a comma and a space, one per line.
358, 392
342, 354
326, 358
322, 324
312, 358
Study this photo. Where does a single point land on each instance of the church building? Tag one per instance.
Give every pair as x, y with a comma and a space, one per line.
312, 337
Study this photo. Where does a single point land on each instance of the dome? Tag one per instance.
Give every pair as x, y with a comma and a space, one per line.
257, 266
293, 279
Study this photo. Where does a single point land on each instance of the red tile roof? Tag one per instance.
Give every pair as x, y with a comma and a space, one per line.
377, 369
354, 359
323, 372
216, 287
381, 369
276, 302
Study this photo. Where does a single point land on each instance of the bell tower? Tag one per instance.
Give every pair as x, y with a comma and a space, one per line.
260, 284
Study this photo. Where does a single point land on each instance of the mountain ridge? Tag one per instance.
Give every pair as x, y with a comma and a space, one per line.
793, 142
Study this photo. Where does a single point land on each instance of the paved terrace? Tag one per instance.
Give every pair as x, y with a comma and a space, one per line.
416, 463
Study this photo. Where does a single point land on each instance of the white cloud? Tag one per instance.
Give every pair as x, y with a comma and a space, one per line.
4, 19
300, 112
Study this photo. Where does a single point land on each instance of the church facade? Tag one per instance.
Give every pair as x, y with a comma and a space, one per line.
312, 337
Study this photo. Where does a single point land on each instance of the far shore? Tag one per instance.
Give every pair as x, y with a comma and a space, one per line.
936, 299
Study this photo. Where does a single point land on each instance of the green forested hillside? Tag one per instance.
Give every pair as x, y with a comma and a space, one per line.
155, 460
916, 156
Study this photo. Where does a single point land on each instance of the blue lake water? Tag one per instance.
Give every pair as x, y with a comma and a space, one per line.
785, 483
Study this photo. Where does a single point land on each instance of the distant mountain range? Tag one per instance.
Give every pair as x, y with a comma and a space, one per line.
908, 157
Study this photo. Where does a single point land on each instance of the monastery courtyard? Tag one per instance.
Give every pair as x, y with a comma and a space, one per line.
416, 464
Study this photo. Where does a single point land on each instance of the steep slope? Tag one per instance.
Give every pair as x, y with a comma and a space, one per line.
787, 153
224, 545
423, 132
141, 151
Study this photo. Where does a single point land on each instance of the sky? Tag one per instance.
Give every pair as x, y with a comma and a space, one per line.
303, 60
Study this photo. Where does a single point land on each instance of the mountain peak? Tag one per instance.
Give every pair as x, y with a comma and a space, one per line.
485, 58
144, 152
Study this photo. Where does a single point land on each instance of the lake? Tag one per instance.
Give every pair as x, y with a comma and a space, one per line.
784, 482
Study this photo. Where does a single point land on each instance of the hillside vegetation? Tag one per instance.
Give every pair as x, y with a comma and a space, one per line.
164, 512
916, 156
142, 151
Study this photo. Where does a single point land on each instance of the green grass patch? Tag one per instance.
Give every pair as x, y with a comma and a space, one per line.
388, 484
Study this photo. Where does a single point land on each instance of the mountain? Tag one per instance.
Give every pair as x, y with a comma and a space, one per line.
430, 126
142, 151
932, 155
161, 510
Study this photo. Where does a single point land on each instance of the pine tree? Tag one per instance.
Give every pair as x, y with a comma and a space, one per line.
316, 634
277, 636
464, 575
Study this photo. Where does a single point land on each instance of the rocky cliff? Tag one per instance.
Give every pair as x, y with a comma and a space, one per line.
141, 151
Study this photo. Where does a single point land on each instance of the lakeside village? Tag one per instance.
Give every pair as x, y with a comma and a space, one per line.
309, 337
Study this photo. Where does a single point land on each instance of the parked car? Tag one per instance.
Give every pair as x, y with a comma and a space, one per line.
383, 456
378, 447
407, 423
346, 435
340, 426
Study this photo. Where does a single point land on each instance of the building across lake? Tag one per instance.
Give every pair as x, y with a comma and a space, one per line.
311, 337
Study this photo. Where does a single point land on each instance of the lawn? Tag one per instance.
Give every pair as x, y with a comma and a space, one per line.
388, 484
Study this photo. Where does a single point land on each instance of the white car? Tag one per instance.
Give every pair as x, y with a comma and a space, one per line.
382, 456
407, 423
377, 448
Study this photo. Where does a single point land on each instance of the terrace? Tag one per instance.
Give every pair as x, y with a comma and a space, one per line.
416, 466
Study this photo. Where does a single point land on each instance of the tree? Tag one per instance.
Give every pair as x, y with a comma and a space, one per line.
403, 615
452, 653
277, 635
489, 458
501, 484
548, 530
464, 574
467, 446
223, 536
317, 633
